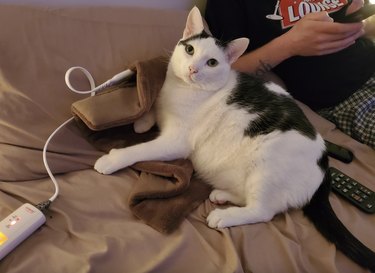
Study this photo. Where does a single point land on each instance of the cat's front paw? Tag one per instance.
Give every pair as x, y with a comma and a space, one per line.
218, 218
107, 164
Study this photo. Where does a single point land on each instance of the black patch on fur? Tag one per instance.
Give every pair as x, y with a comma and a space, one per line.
276, 111
203, 35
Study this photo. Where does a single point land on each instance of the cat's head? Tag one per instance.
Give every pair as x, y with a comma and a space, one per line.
202, 61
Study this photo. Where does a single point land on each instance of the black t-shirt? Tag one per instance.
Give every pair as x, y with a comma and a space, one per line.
318, 81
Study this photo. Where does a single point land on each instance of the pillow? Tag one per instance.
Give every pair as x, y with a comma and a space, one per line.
38, 46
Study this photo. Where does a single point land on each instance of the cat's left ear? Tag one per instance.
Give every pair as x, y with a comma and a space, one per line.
236, 48
194, 23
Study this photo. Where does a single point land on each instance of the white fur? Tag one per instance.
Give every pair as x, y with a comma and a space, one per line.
261, 176
276, 88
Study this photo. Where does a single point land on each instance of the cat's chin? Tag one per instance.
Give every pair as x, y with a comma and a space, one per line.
196, 84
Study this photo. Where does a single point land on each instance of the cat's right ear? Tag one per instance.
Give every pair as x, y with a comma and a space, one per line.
194, 23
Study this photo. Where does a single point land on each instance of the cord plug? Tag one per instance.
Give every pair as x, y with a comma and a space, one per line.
43, 206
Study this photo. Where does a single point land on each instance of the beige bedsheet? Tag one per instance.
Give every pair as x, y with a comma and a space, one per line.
89, 227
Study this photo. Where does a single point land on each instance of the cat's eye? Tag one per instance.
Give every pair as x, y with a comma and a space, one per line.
212, 62
189, 49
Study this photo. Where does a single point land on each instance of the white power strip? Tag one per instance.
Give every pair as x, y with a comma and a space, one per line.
19, 225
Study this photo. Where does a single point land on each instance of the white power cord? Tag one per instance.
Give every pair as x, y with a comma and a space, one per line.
46, 163
115, 80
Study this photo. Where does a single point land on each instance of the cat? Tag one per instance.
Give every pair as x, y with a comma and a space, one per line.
246, 137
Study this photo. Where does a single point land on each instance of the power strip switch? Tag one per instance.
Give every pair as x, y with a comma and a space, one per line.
18, 226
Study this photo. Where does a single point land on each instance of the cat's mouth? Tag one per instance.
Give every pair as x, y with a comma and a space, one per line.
192, 78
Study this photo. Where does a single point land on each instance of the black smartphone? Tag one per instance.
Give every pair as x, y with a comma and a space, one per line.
357, 16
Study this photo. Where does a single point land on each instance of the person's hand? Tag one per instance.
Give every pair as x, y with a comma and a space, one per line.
317, 34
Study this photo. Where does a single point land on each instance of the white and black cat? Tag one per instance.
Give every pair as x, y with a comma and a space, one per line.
245, 137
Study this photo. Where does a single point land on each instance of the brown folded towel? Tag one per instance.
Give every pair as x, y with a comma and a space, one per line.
166, 191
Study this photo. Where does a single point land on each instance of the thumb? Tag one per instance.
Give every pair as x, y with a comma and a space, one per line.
354, 6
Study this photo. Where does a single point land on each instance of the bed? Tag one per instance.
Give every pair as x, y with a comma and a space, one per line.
90, 227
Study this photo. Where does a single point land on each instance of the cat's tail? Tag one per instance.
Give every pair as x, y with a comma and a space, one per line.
321, 214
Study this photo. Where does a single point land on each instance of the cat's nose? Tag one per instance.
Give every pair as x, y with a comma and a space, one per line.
192, 70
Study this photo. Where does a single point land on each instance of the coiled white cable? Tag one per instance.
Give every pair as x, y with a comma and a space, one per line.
115, 80
88, 76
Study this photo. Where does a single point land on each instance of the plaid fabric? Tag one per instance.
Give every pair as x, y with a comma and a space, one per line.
356, 115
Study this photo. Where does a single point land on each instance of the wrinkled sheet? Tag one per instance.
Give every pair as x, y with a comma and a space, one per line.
90, 227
